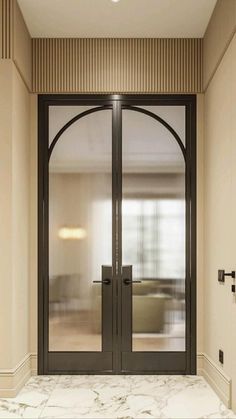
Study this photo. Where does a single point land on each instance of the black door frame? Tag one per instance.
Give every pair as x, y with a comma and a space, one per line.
48, 364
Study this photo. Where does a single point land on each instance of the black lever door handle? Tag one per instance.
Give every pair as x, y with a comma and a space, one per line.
128, 281
105, 281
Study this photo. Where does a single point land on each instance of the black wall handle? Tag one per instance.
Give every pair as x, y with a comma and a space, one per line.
222, 274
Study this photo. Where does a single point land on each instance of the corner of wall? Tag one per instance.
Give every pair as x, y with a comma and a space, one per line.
215, 377
218, 35
12, 380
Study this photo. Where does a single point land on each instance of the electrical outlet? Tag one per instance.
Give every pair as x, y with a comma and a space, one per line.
221, 356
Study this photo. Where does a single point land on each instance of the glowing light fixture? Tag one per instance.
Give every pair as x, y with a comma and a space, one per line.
72, 233
115, 1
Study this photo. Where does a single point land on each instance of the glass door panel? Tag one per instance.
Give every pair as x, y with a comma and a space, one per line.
80, 227
117, 234
154, 227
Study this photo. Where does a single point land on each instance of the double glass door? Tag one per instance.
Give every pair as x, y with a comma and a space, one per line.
117, 234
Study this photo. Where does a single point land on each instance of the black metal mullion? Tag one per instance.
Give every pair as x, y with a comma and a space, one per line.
192, 295
116, 233
41, 229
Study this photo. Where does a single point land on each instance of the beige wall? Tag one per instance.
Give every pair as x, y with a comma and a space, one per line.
20, 215
33, 286
15, 82
233, 160
218, 35
6, 317
220, 221
14, 238
200, 223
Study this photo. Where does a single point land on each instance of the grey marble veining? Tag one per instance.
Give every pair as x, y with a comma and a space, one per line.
31, 400
121, 397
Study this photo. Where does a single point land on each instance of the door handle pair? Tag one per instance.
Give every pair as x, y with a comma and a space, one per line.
126, 281
127, 272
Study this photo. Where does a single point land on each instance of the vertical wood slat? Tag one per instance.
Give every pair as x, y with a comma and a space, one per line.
6, 22
117, 65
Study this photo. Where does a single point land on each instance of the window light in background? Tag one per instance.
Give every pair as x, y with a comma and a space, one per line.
72, 233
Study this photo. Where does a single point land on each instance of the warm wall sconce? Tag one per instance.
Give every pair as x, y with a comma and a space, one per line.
72, 233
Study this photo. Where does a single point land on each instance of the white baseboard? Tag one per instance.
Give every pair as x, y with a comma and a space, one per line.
216, 377
12, 380
34, 363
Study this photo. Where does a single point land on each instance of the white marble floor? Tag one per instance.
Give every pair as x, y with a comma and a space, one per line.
115, 397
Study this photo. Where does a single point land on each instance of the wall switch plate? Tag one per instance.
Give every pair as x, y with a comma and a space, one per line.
221, 275
221, 356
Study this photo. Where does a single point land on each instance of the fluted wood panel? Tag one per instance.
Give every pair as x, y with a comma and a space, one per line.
6, 7
117, 65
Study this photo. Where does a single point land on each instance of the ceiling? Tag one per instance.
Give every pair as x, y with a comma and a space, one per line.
127, 18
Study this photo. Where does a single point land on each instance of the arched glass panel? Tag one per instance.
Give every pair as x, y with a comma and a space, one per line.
153, 227
173, 115
80, 220
60, 115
